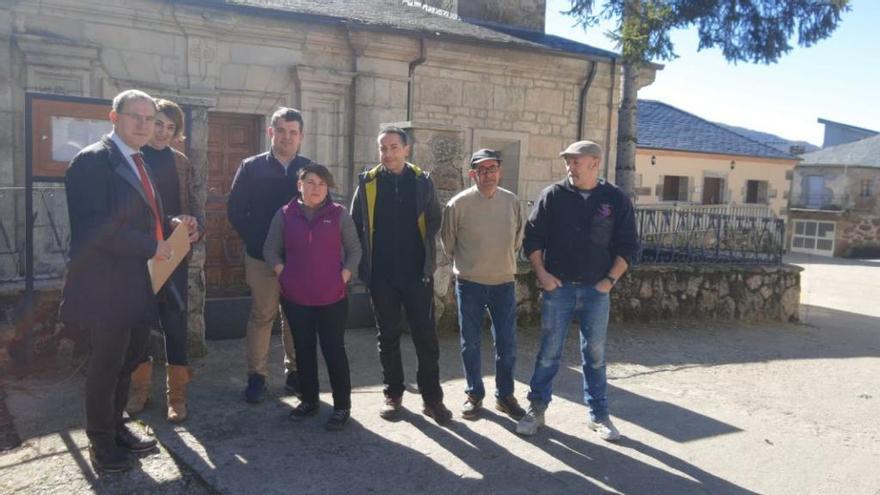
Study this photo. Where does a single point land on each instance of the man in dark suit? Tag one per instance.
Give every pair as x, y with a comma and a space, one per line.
115, 228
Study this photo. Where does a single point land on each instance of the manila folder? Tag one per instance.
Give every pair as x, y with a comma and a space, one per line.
160, 270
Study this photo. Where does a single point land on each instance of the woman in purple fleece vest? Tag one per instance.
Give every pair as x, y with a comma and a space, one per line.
314, 249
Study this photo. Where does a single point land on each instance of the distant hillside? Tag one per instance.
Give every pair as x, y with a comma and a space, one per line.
780, 143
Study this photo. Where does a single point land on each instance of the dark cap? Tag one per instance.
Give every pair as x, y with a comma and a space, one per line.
588, 148
483, 155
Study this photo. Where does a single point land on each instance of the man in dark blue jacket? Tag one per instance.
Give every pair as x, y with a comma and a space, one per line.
263, 184
580, 238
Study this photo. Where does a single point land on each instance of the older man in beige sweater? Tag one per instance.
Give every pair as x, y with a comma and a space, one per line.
482, 231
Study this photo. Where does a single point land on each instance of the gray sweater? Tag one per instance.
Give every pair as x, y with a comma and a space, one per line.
273, 249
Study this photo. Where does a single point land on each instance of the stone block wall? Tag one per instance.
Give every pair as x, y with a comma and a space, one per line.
530, 101
661, 292
858, 235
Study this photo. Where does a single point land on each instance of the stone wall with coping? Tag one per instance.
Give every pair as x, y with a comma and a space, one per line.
858, 234
664, 292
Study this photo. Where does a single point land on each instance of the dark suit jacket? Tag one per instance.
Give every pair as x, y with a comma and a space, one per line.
111, 238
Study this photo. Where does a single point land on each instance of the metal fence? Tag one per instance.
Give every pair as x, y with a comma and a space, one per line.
682, 236
50, 226
742, 210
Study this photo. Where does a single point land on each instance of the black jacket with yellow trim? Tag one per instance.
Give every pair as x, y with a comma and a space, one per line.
363, 206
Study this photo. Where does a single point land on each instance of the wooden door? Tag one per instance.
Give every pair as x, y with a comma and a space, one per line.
231, 138
712, 190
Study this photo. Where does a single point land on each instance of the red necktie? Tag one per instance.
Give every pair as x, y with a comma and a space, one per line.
148, 189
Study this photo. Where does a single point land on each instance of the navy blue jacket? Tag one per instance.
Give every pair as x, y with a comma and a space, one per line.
581, 238
259, 189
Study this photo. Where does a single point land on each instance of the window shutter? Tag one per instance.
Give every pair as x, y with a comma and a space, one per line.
762, 191
684, 189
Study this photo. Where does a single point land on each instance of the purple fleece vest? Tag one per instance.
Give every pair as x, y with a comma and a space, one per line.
312, 274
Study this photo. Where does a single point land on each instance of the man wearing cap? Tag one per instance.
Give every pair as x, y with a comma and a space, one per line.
481, 231
580, 238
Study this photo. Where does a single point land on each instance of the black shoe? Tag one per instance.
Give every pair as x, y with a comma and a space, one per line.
291, 386
338, 420
133, 440
303, 411
110, 459
256, 389
437, 411
509, 406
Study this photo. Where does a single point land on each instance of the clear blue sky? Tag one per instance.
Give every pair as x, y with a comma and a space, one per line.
836, 79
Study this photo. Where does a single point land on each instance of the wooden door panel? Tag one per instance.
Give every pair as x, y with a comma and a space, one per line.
231, 138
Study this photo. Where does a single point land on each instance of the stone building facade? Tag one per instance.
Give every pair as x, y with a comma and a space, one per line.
350, 65
834, 205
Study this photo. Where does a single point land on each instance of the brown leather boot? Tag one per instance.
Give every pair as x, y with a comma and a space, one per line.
139, 392
178, 377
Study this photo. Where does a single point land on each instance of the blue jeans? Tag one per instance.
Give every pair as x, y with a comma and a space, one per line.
557, 310
473, 300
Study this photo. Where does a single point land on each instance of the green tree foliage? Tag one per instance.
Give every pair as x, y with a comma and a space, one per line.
757, 31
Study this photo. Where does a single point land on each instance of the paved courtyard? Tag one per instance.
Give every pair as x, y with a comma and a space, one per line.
703, 408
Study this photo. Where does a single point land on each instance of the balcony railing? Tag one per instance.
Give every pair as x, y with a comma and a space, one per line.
741, 210
827, 202
681, 236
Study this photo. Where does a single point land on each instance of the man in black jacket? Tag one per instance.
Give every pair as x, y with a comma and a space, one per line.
116, 223
397, 215
580, 238
262, 185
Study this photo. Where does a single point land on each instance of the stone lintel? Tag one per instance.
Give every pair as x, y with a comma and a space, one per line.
312, 79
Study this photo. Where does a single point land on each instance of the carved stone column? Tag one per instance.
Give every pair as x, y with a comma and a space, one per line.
197, 150
323, 97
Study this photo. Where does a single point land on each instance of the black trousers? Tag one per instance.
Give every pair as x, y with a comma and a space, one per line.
173, 318
115, 354
324, 324
418, 300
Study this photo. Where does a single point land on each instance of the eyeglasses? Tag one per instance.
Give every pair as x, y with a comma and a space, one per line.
488, 170
143, 119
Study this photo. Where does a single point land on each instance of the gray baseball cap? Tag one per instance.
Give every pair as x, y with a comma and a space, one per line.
588, 148
483, 155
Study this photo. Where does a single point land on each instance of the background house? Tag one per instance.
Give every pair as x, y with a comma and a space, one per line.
834, 210
838, 133
686, 160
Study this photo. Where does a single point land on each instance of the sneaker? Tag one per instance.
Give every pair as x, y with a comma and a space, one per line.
471, 407
437, 411
303, 411
338, 420
291, 386
509, 406
606, 429
533, 419
110, 459
256, 389
391, 407
133, 440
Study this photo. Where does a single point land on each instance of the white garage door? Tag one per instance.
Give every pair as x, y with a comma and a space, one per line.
813, 237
